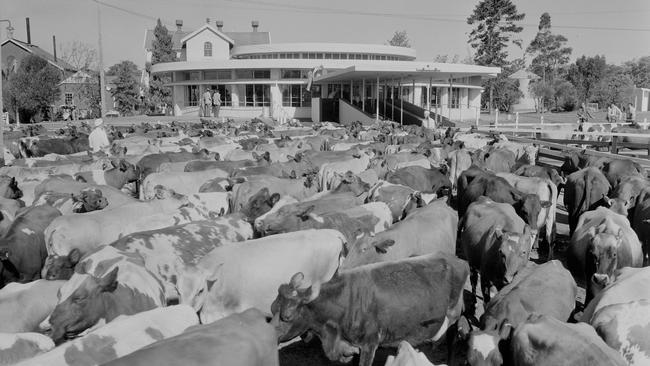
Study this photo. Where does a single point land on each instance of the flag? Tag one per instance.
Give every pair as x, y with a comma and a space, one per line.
317, 71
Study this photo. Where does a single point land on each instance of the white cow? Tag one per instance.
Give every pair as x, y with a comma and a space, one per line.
181, 182
15, 347
24, 306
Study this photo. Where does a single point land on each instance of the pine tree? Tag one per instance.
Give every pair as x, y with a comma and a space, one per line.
127, 89
162, 51
495, 25
549, 50
400, 39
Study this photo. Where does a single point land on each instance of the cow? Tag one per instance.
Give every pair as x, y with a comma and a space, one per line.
248, 332
184, 183
120, 337
547, 289
327, 179
107, 283
37, 146
234, 277
496, 243
22, 250
24, 306
150, 163
575, 161
545, 341
369, 219
547, 192
407, 356
628, 284
299, 188
524, 153
396, 196
95, 229
603, 242
624, 195
410, 237
122, 173
527, 206
363, 308
15, 347
8, 210
624, 327
422, 180
495, 160
88, 200
229, 166
9, 188
114, 196
458, 161
544, 172
641, 222
616, 169
584, 191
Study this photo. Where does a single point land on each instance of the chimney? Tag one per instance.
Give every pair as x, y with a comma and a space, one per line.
207, 20
54, 47
179, 24
29, 33
219, 25
255, 24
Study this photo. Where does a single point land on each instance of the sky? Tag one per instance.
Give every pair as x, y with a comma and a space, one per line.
620, 30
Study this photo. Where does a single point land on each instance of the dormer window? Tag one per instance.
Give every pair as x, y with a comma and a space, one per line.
207, 49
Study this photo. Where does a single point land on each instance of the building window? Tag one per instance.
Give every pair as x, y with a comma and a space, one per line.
253, 74
298, 95
192, 95
207, 49
68, 98
333, 91
217, 75
455, 98
258, 95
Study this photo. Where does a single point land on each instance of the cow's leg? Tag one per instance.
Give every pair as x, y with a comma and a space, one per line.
473, 279
367, 354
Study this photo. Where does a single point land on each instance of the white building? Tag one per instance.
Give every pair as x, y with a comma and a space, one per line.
355, 81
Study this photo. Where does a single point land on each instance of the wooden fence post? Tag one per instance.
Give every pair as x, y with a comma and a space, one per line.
614, 147
516, 120
496, 116
541, 120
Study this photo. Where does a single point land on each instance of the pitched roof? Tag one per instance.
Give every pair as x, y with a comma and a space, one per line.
37, 51
79, 77
523, 74
208, 27
238, 38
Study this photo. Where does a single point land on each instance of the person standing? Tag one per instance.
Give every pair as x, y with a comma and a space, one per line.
98, 139
216, 103
631, 114
207, 103
613, 113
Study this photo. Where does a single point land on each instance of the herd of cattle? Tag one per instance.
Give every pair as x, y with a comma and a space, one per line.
218, 243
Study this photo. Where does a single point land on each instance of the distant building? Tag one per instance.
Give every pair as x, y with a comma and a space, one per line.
347, 81
527, 102
641, 99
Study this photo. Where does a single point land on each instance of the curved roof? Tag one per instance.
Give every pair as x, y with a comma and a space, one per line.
377, 49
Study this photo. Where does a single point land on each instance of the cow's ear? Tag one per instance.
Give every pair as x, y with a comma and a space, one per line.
305, 214
217, 156
124, 166
74, 257
267, 156
546, 204
275, 197
256, 156
293, 175
108, 283
296, 280
608, 201
382, 246
498, 231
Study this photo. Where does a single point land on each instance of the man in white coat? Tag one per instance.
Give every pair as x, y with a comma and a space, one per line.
98, 139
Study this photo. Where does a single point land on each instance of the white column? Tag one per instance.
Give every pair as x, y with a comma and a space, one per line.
363, 94
401, 104
377, 102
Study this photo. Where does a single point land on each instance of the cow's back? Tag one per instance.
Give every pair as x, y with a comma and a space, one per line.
24, 306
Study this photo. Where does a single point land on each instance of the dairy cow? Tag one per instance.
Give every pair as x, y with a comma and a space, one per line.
407, 356
122, 173
584, 191
248, 332
182, 182
363, 308
15, 347
24, 306
88, 200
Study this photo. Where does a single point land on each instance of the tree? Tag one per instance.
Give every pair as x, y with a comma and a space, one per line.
495, 25
32, 89
82, 56
127, 88
615, 87
564, 95
162, 51
400, 39
585, 74
639, 71
549, 50
543, 92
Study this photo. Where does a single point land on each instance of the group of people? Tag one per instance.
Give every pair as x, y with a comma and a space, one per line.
614, 114
210, 103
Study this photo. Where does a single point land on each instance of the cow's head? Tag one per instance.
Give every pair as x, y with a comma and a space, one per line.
83, 308
90, 199
513, 252
602, 254
288, 218
61, 267
528, 208
530, 154
9, 188
618, 205
484, 347
351, 183
291, 296
259, 204
129, 170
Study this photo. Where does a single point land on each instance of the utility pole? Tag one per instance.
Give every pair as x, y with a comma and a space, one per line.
2, 114
102, 80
